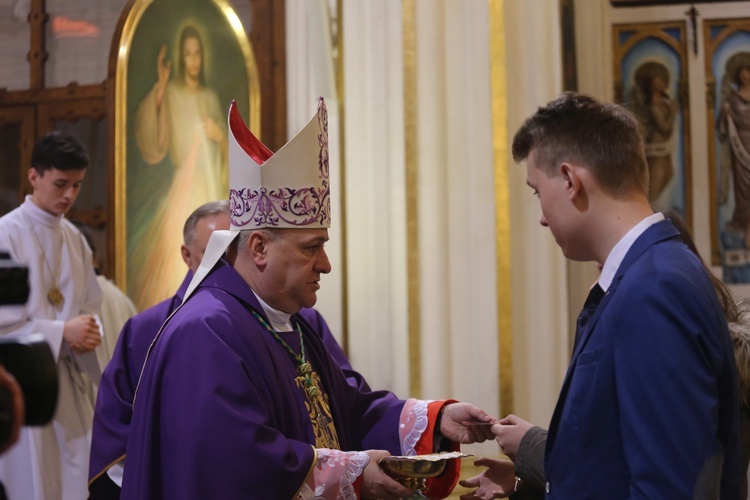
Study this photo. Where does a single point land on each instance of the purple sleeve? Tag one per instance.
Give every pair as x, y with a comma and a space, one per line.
378, 411
113, 409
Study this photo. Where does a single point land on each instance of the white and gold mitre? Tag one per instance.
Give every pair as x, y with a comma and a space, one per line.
288, 189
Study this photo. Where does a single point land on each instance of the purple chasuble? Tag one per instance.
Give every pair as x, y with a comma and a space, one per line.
218, 413
114, 401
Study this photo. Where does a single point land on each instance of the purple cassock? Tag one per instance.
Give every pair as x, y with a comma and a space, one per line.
218, 413
114, 402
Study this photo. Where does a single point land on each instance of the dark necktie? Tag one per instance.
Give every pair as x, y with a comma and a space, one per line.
589, 307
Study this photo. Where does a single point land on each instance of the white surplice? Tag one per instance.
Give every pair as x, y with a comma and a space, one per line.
116, 309
51, 462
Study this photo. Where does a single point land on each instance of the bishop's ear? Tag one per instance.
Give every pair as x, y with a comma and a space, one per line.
257, 246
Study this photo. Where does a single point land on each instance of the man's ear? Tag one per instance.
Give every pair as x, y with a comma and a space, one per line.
32, 174
573, 182
257, 247
185, 254
576, 179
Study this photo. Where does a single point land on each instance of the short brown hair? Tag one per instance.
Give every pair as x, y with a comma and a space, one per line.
579, 129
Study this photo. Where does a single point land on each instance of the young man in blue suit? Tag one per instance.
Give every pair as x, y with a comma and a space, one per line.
649, 405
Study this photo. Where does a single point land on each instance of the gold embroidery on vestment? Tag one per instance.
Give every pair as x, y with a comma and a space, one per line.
318, 408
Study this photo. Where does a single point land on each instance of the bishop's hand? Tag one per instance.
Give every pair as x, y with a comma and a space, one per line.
465, 423
377, 484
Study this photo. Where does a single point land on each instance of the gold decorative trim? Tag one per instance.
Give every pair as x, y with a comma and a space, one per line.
408, 10
502, 203
133, 17
342, 179
120, 151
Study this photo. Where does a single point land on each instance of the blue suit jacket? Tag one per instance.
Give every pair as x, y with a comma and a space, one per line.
650, 395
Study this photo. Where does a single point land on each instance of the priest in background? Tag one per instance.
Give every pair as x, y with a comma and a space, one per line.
114, 406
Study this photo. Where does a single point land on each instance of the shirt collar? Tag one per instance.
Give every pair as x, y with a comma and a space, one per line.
615, 257
280, 321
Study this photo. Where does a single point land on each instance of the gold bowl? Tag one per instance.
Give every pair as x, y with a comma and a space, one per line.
412, 468
413, 471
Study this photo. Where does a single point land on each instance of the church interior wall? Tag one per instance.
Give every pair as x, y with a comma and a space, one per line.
414, 292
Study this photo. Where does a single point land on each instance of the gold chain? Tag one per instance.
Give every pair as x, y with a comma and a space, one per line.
54, 295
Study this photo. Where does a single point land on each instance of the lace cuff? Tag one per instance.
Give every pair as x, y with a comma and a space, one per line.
418, 437
413, 423
333, 475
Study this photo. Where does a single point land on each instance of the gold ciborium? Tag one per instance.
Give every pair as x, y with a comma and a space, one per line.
413, 471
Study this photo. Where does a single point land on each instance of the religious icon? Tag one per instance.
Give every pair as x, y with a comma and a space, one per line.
650, 75
186, 60
733, 126
656, 111
179, 124
728, 65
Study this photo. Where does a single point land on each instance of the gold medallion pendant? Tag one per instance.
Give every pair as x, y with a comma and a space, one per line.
55, 297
